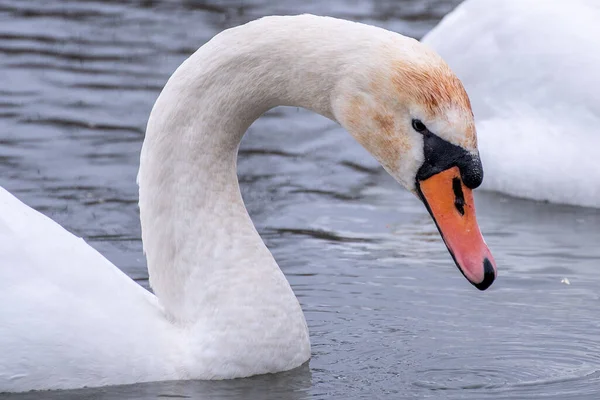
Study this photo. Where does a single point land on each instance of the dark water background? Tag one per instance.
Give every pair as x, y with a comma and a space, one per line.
389, 315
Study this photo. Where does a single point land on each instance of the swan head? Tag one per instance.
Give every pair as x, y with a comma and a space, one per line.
412, 113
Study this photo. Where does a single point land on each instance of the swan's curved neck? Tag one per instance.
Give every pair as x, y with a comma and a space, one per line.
202, 249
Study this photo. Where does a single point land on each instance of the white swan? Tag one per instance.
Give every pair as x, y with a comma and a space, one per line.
223, 308
531, 70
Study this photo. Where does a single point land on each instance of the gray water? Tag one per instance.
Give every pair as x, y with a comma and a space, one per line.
389, 314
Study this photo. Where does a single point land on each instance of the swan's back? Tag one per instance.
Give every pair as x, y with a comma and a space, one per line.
66, 309
531, 71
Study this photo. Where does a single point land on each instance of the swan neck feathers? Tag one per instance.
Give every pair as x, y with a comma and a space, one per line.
203, 251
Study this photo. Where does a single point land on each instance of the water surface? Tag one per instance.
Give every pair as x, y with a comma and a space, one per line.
389, 314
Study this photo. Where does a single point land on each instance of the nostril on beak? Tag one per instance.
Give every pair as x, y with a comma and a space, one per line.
459, 197
488, 275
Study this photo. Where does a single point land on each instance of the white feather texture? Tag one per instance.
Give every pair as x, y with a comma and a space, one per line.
531, 70
223, 308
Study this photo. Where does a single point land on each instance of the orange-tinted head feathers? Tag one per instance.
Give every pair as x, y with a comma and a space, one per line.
402, 83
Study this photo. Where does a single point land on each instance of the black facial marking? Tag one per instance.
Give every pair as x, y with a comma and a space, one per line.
459, 197
441, 155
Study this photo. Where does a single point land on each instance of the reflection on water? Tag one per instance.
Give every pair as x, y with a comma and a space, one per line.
292, 385
390, 317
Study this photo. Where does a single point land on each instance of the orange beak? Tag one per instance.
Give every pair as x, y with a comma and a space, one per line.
452, 208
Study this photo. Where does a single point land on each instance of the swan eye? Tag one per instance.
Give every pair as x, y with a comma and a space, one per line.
418, 125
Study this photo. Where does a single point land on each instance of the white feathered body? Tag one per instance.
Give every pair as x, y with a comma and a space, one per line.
68, 317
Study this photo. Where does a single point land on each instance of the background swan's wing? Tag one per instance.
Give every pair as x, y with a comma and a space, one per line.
68, 317
531, 71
